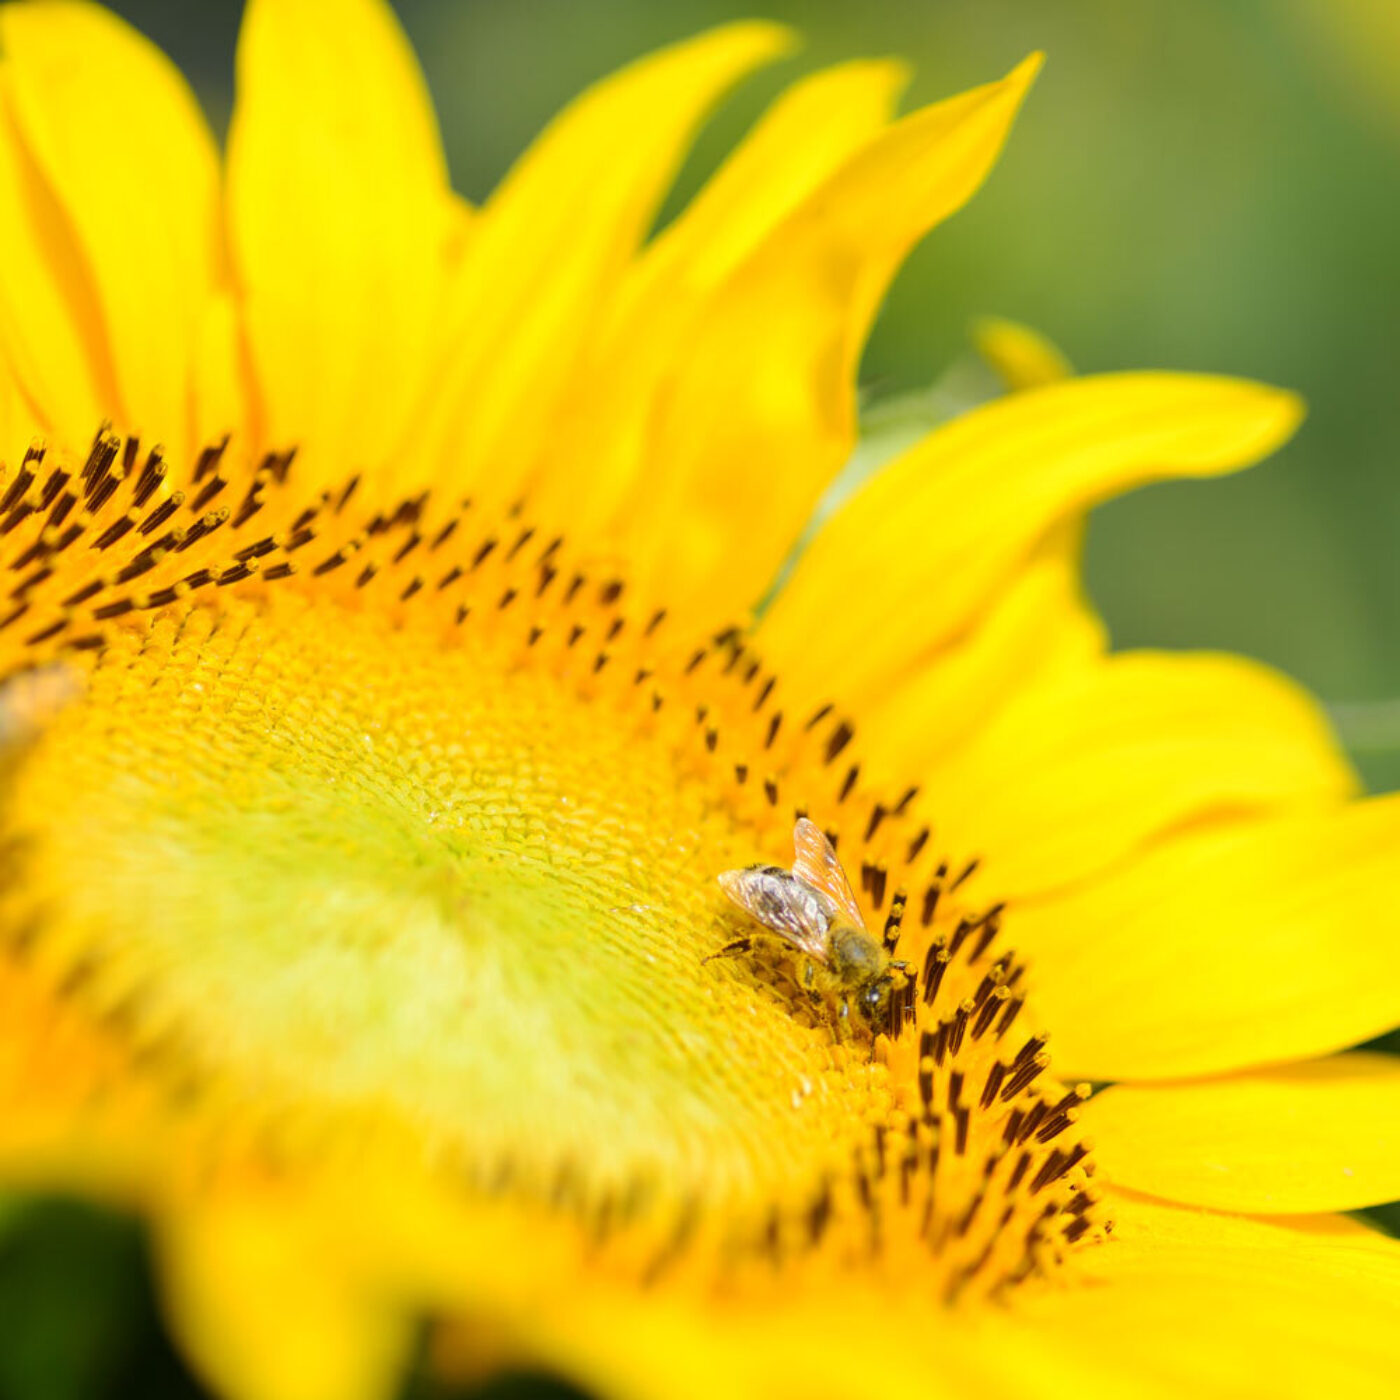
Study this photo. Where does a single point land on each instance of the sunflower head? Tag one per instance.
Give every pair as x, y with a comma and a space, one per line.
401, 779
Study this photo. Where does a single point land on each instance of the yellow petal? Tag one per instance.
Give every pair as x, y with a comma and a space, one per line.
18, 423
1234, 1307
265, 1310
639, 1347
1227, 947
119, 139
810, 131
1039, 626
71, 1120
50, 321
551, 244
1079, 771
1324, 1135
935, 533
1022, 357
762, 413
1194, 1303
220, 383
339, 217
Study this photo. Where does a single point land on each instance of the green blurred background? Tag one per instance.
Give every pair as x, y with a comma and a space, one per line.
1195, 184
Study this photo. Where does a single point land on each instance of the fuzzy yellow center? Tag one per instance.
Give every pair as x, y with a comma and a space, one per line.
419, 838
349, 873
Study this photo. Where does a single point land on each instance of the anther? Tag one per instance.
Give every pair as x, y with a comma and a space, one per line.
967, 873
152, 474
209, 459
1023, 1074
346, 493
840, 737
848, 784
57, 479
207, 494
935, 965
894, 922
878, 877
987, 1012
162, 513
930, 905
1013, 1008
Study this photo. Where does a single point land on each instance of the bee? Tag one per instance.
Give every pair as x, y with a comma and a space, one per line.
811, 908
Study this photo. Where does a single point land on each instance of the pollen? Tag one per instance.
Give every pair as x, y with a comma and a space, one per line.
403, 828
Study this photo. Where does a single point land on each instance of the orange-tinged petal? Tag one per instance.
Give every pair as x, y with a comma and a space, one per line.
1324, 1135
762, 413
934, 534
1228, 946
549, 248
1080, 770
810, 131
339, 215
120, 140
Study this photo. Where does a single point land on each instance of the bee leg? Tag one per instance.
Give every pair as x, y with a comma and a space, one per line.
809, 973
843, 1020
739, 945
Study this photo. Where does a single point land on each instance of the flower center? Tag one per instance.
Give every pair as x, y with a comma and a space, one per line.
416, 835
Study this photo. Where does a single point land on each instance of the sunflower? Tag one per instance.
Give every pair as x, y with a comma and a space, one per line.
386, 691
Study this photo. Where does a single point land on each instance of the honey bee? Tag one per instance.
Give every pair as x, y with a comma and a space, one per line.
811, 908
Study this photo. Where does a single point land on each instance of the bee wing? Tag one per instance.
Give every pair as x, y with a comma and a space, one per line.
796, 913
816, 864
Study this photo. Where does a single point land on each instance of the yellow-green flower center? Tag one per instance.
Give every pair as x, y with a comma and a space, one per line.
420, 846
352, 873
